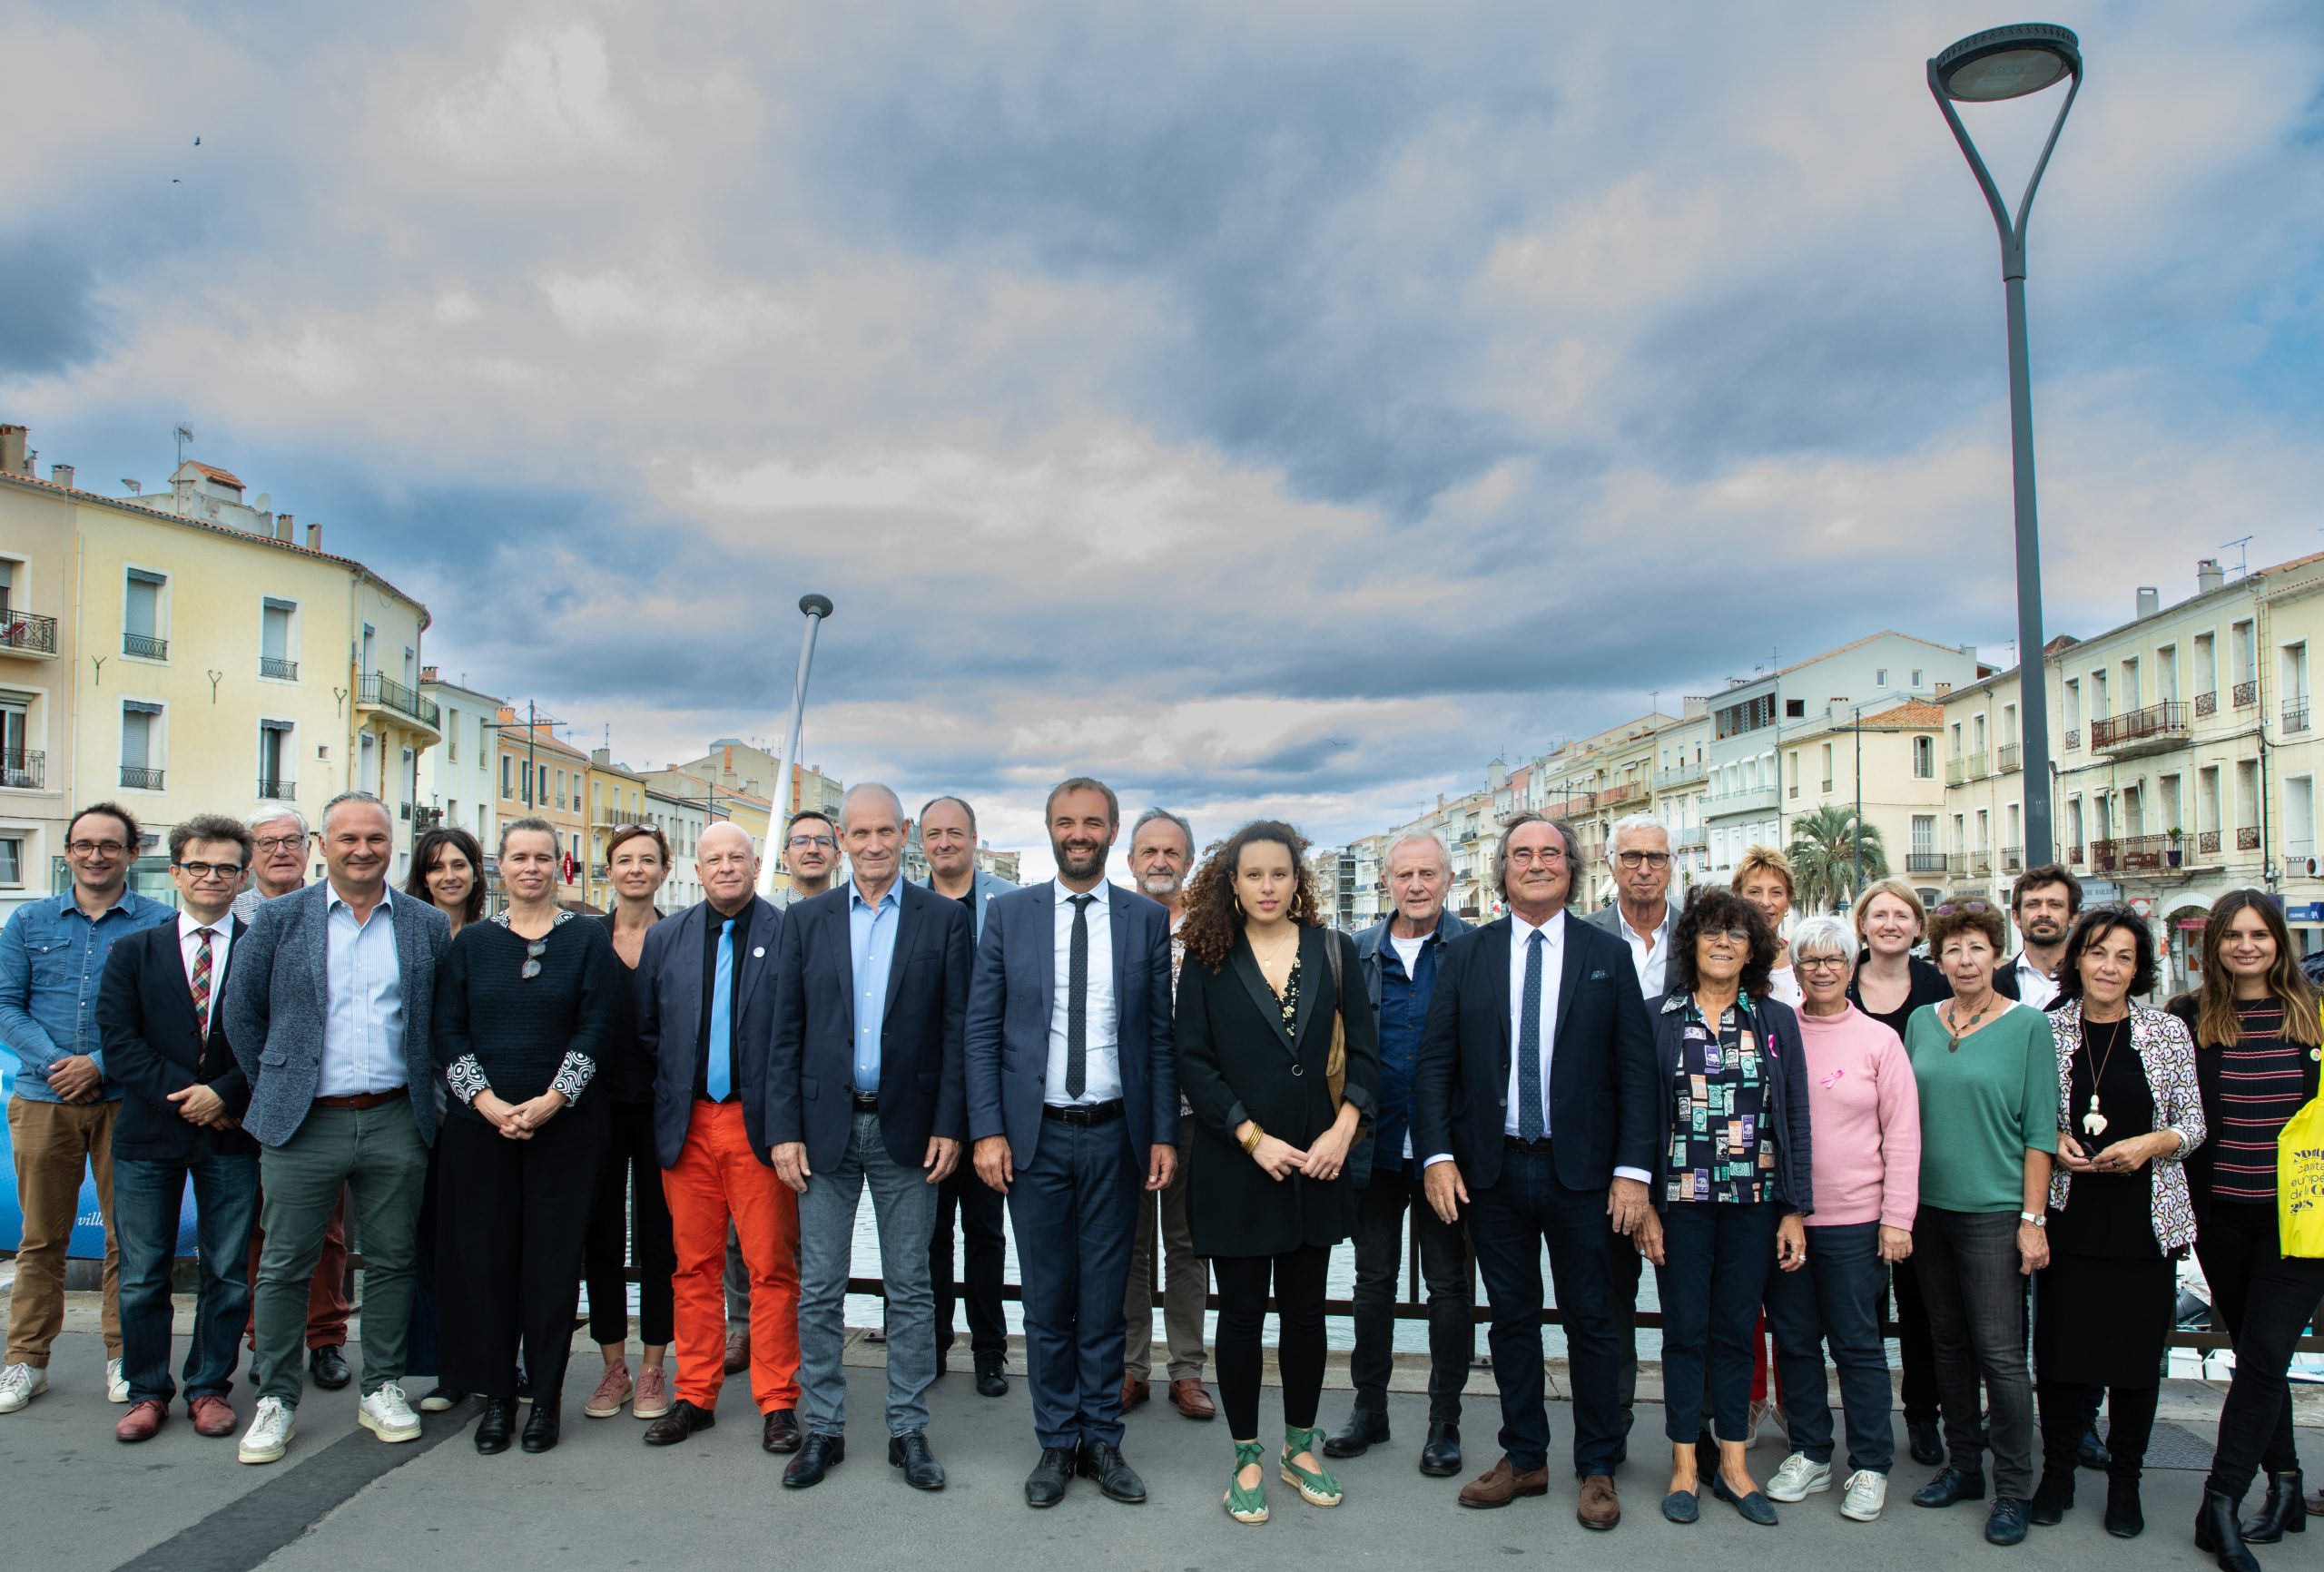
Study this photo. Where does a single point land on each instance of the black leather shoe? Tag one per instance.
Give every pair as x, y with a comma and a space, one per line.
1045, 1486
1440, 1456
818, 1455
910, 1453
2218, 1532
2052, 1498
496, 1425
780, 1433
1116, 1481
1951, 1485
328, 1365
1754, 1508
992, 1381
682, 1419
2006, 1522
541, 1429
2092, 1452
2285, 1510
1927, 1439
2124, 1519
1365, 1428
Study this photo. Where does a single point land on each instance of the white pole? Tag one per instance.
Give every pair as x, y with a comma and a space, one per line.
816, 608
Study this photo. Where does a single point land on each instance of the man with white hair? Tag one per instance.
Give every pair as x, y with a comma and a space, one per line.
279, 839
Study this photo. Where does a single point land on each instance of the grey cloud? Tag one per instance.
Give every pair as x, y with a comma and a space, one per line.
48, 320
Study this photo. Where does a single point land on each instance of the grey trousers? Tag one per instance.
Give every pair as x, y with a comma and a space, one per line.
378, 1154
1185, 1293
903, 1205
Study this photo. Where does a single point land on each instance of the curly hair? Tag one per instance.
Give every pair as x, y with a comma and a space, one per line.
1713, 909
2101, 922
1214, 919
1970, 911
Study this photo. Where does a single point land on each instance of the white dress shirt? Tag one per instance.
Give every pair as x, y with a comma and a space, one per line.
1520, 934
2035, 986
363, 1047
221, 938
1101, 1061
1650, 955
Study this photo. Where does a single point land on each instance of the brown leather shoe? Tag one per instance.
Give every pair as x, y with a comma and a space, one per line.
1134, 1392
1502, 1484
1192, 1400
738, 1351
1598, 1507
142, 1421
213, 1416
682, 1419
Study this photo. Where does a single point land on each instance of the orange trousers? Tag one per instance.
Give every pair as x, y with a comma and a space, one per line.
718, 1177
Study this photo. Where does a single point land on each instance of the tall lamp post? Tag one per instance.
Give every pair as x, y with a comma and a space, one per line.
815, 608
1985, 68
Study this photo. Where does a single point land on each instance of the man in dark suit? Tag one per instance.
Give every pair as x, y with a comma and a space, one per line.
705, 1012
1073, 1104
864, 1091
1532, 1100
183, 1096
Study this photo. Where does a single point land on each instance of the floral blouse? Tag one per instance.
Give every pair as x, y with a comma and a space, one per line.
2167, 1054
1721, 1146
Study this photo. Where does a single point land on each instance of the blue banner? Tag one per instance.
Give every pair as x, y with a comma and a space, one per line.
88, 1218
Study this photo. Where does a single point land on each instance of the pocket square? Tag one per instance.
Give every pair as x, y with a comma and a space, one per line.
1598, 976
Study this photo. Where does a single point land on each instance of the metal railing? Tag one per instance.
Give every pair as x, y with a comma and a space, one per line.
1956, 863
2074, 738
1924, 862
28, 632
141, 778
276, 667
2012, 757
2073, 856
2247, 694
2166, 720
2013, 860
2296, 714
271, 788
2247, 838
385, 691
2207, 843
2131, 854
2206, 704
145, 646
23, 767
1680, 775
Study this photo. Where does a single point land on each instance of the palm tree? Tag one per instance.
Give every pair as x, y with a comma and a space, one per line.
1824, 857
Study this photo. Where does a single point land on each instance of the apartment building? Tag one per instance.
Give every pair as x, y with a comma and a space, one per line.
460, 781
1875, 763
1682, 785
616, 796
38, 638
542, 776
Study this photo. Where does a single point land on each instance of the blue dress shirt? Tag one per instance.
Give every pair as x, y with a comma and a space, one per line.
363, 1032
51, 962
872, 943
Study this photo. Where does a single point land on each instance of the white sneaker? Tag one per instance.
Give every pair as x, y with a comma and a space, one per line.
19, 1385
1868, 1493
388, 1416
116, 1384
1799, 1478
269, 1436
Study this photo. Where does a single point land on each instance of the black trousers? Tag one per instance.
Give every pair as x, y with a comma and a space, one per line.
423, 1348
1298, 1277
982, 1209
1380, 1211
1915, 1350
2266, 1301
2066, 1410
1968, 1264
508, 1242
631, 1215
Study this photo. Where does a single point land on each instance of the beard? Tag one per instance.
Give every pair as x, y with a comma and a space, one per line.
1079, 860
1160, 886
2044, 930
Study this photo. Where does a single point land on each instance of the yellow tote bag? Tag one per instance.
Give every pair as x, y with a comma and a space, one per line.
2300, 1184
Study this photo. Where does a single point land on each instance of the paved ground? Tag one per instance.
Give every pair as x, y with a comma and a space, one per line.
75, 1498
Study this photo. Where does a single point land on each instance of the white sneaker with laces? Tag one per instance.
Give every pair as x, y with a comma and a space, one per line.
1868, 1493
386, 1415
19, 1385
269, 1436
1799, 1478
116, 1384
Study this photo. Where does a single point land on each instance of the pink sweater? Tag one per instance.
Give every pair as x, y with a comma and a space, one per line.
1865, 1115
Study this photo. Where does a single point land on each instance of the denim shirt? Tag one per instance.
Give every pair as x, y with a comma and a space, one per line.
52, 965
1403, 1011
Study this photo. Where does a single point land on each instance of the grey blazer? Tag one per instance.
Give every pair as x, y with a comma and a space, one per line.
278, 998
987, 885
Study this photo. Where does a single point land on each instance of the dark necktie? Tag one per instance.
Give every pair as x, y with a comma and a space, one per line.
1529, 1046
1077, 1002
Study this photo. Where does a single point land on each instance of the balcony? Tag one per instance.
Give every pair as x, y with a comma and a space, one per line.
2156, 729
23, 768
144, 647
2248, 839
1924, 862
1745, 800
278, 668
2295, 715
272, 789
25, 634
1627, 792
384, 692
1695, 840
2247, 694
1956, 864
1968, 766
2013, 860
1981, 861
2207, 843
139, 779
2131, 854
2011, 758
1679, 775
2206, 705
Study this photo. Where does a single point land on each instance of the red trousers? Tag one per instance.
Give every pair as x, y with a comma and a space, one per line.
718, 1177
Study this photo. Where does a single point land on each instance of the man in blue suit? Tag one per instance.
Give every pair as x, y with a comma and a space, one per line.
864, 1091
1073, 1104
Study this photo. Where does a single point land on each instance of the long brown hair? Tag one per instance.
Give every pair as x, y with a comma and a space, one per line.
2216, 1026
1214, 920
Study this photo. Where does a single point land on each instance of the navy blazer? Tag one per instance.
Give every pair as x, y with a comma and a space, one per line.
153, 1042
1601, 1060
669, 1021
810, 1062
1785, 1056
1009, 1005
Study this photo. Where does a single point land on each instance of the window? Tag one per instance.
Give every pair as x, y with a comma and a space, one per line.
277, 756
1924, 834
2299, 816
2206, 673
278, 643
16, 767
507, 776
143, 616
2073, 708
2073, 824
452, 736
12, 861
1880, 677
1795, 709
141, 745
1916, 677
1923, 758
2247, 654
2098, 710
2133, 691
2166, 674
369, 635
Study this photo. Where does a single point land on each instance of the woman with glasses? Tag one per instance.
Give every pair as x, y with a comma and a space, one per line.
632, 1214
524, 1008
1987, 1071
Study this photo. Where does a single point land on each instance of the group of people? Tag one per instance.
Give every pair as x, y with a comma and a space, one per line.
1785, 1118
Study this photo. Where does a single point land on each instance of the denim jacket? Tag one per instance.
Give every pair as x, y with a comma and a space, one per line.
51, 962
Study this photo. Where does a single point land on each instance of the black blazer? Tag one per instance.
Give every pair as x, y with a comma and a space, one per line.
1785, 1060
2005, 983
669, 1018
152, 1042
2201, 1163
810, 1062
1601, 1061
1236, 1062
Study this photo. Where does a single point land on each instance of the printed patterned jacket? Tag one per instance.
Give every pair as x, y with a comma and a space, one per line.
2167, 1054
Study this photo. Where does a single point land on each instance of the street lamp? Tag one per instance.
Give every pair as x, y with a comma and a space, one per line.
815, 608
1985, 68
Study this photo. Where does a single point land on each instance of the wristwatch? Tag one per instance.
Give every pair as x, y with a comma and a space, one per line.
2036, 1221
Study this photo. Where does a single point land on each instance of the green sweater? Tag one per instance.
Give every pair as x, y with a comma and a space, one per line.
1981, 1106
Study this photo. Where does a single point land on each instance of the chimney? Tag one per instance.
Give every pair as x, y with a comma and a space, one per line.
2207, 574
314, 538
61, 474
2150, 601
282, 526
12, 450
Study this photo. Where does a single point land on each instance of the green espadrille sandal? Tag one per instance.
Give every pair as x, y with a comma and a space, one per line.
1249, 1506
1316, 1486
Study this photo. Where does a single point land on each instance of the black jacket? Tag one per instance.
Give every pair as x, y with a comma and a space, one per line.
1601, 1061
1785, 1058
152, 1042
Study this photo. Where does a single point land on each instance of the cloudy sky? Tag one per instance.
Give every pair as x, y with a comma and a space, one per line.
1283, 406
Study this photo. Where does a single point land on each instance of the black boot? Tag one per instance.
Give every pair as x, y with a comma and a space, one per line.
2285, 1510
2218, 1532
495, 1425
2123, 1519
1365, 1428
2053, 1497
541, 1428
1928, 1440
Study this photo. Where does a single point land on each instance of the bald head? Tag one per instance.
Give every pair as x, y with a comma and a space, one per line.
723, 860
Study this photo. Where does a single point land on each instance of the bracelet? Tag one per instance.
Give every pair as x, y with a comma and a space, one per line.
1251, 1142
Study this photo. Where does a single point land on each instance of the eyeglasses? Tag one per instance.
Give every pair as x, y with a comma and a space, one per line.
279, 843
534, 950
1549, 857
95, 848
1820, 962
1733, 934
1644, 859
199, 871
1950, 907
800, 842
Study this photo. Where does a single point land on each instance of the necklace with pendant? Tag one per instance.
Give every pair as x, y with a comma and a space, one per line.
1958, 1031
2093, 1123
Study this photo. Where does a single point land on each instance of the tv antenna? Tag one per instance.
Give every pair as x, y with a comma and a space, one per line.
2242, 562
184, 435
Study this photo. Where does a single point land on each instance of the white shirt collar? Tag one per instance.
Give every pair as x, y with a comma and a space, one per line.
188, 927
1551, 931
1101, 889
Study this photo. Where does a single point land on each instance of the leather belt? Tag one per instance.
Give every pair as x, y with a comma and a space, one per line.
866, 1102
1083, 1113
362, 1100
1518, 1143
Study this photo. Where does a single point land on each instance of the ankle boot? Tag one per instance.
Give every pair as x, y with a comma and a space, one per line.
2053, 1497
2125, 1518
2218, 1532
2284, 1511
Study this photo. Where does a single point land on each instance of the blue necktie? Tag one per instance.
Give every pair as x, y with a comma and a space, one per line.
1529, 1046
721, 1068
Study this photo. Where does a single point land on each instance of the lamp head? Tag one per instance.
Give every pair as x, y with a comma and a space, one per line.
2007, 62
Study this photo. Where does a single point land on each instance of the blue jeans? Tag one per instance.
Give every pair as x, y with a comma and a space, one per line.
903, 1205
1835, 1300
147, 1195
1717, 1257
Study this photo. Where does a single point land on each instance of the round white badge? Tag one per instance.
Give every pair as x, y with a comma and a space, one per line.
758, 951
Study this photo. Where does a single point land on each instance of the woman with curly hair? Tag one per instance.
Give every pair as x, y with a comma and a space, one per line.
1264, 998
